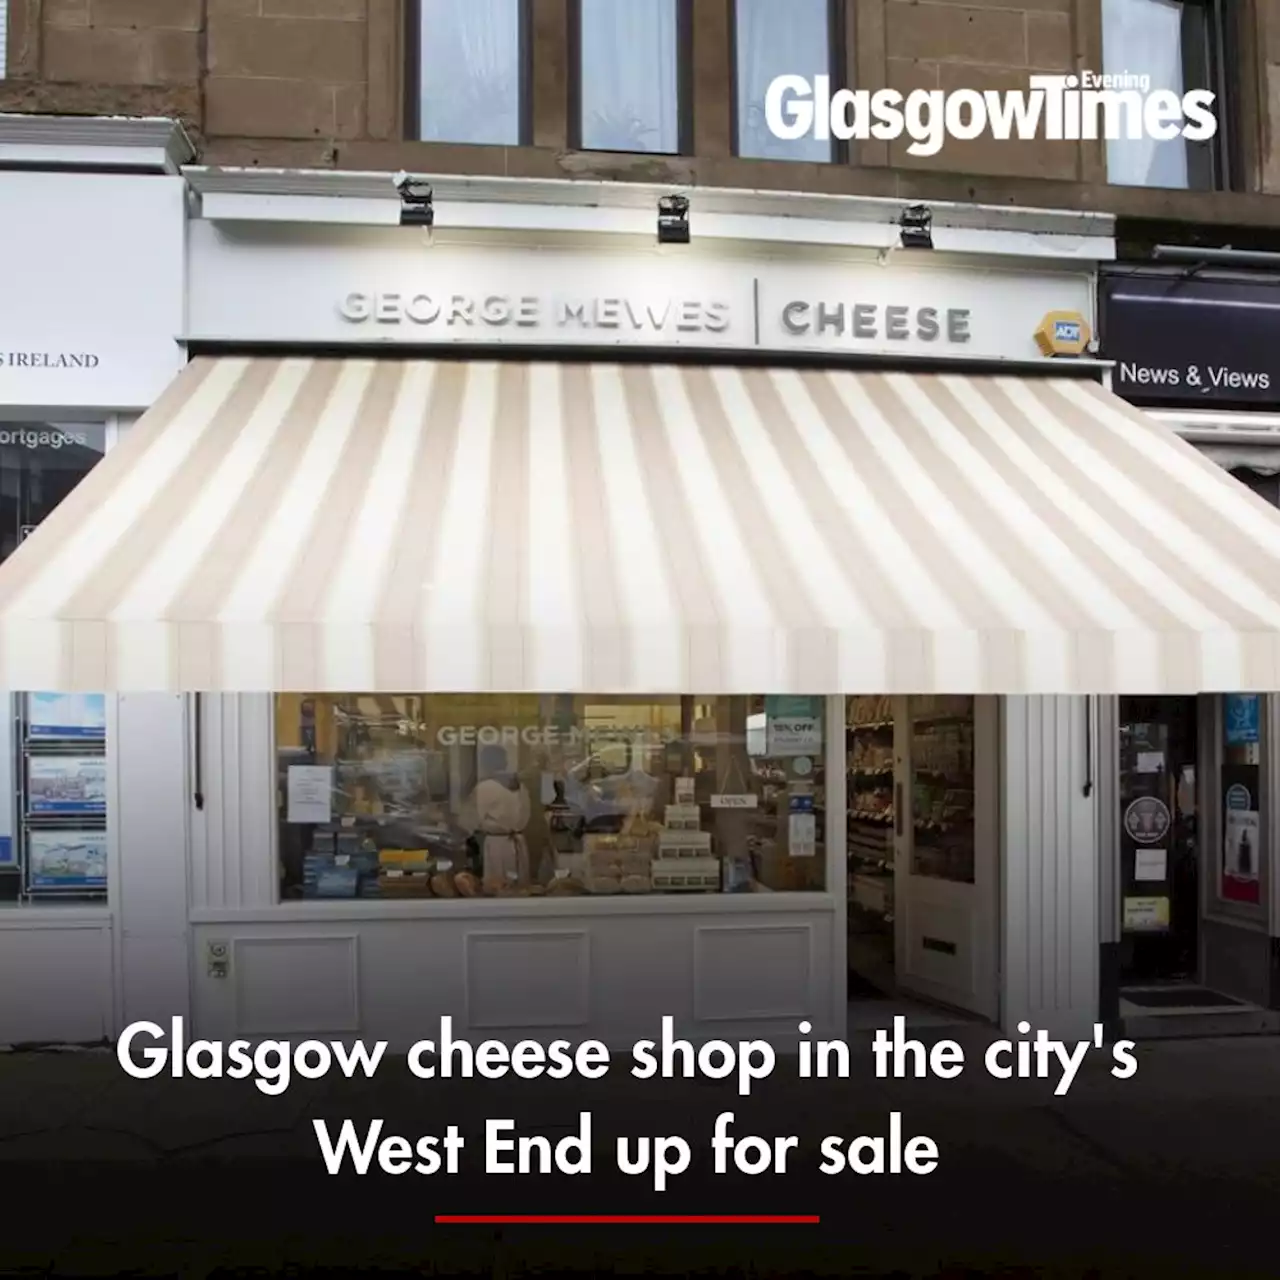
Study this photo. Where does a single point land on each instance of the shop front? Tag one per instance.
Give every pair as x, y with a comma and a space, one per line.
1192, 925
89, 335
588, 629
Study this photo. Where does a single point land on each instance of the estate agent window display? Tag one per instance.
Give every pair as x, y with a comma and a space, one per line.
53, 807
424, 796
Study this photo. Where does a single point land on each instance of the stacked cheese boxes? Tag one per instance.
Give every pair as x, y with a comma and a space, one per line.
619, 864
685, 863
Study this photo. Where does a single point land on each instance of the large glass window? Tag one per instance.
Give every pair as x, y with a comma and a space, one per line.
447, 796
942, 787
1176, 45
770, 40
630, 86
470, 70
53, 805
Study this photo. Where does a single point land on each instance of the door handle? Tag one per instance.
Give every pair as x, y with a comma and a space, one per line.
897, 809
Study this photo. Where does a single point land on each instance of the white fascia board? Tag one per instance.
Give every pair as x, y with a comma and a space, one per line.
94, 142
1207, 427
581, 206
365, 211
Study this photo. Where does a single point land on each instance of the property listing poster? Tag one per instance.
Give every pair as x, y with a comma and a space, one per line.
67, 717
67, 859
66, 785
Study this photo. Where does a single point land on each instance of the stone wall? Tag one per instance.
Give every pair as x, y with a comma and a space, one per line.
320, 83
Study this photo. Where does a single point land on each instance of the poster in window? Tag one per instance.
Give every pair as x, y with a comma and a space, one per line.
67, 859
1241, 835
67, 716
66, 784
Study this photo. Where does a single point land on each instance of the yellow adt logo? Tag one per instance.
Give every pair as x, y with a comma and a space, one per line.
1063, 333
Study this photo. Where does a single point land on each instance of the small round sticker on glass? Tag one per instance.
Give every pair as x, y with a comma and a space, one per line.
803, 766
1147, 820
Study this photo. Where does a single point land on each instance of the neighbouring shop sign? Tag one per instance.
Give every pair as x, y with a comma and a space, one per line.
378, 286
1190, 340
81, 328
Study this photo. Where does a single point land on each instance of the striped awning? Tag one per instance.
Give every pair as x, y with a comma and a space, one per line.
474, 526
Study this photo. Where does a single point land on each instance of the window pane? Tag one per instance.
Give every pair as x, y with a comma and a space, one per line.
773, 40
1145, 37
469, 71
447, 796
53, 836
942, 791
629, 76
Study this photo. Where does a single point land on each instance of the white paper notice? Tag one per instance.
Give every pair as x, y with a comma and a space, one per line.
310, 793
1150, 761
1151, 864
803, 836
794, 736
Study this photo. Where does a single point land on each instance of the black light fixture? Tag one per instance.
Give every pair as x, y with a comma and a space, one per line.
416, 209
673, 220
916, 226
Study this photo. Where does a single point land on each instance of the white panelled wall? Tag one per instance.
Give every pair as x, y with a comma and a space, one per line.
1050, 864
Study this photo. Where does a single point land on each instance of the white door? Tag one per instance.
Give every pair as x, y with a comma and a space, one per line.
946, 889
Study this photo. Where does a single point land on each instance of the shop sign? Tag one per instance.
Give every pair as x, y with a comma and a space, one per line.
1147, 820
81, 328
1242, 719
1193, 341
330, 288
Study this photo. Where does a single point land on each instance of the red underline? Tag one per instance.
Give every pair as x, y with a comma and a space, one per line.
628, 1219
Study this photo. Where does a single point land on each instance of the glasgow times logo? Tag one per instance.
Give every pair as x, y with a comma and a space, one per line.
1072, 108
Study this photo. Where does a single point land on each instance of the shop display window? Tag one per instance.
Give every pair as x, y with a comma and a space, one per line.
425, 796
942, 792
53, 806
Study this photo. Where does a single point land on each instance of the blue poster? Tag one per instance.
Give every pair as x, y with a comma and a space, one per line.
1242, 716
785, 707
76, 716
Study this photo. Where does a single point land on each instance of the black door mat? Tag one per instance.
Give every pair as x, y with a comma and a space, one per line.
861, 989
1179, 998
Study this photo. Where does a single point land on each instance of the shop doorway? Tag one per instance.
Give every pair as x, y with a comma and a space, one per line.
922, 857
1193, 956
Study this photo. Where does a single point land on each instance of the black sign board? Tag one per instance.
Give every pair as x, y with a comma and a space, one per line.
1186, 340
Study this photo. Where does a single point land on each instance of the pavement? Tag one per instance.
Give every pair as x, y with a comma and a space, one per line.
1176, 1169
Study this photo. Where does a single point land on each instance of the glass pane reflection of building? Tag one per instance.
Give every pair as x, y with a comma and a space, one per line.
439, 796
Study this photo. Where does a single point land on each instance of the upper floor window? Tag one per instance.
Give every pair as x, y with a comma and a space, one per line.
470, 73
1177, 45
801, 37
632, 76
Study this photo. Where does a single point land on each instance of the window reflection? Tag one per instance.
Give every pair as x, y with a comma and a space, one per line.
470, 64
1167, 41
775, 39
630, 75
40, 463
441, 796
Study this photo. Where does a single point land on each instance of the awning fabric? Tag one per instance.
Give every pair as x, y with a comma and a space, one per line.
382, 525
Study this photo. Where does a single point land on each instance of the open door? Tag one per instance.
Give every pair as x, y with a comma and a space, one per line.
945, 851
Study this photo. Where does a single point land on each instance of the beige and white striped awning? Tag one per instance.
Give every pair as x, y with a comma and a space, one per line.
382, 525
